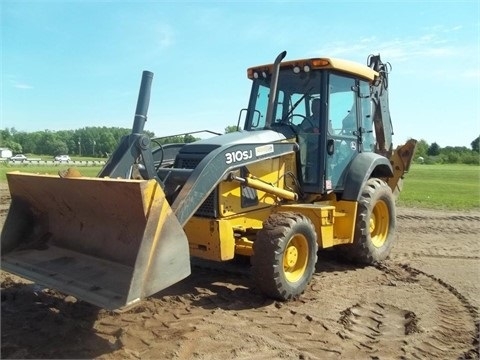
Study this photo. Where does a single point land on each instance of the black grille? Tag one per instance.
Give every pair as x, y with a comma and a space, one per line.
188, 163
209, 206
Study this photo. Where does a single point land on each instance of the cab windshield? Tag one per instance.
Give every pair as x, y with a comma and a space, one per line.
294, 98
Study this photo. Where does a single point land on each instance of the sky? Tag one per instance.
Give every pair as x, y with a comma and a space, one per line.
66, 65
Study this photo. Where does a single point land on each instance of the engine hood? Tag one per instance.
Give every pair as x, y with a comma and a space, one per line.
239, 137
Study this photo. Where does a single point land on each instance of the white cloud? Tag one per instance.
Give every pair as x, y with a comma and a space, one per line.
401, 49
443, 29
471, 74
427, 47
20, 85
164, 35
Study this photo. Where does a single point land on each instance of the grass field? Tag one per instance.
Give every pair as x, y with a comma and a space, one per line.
451, 186
86, 171
454, 187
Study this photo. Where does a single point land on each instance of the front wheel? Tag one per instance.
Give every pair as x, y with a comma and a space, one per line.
285, 254
375, 225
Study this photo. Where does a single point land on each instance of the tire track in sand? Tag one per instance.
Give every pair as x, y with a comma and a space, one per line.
451, 313
207, 318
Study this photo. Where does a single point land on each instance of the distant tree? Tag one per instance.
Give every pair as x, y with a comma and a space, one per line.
421, 149
451, 158
106, 143
4, 136
434, 149
52, 143
170, 140
472, 159
176, 139
8, 141
15, 147
189, 138
59, 147
230, 129
476, 144
28, 141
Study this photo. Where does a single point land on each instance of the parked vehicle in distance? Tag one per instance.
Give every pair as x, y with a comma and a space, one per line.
18, 157
62, 158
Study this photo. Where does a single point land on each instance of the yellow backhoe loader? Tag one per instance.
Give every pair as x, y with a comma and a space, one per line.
313, 168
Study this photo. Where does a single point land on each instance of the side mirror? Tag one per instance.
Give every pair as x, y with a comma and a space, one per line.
330, 146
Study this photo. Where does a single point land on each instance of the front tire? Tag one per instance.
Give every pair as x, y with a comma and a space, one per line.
375, 225
285, 254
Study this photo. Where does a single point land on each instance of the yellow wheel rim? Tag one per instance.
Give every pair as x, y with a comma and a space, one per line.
379, 224
295, 258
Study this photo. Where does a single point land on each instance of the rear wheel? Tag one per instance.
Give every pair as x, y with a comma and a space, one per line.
285, 254
375, 225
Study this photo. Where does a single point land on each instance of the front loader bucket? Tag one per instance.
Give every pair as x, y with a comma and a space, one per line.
110, 242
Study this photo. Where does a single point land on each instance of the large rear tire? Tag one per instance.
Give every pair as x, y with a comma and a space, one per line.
285, 254
375, 225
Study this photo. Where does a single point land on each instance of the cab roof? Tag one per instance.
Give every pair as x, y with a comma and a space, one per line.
341, 65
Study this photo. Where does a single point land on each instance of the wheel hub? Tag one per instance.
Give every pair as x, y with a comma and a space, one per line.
295, 258
291, 256
372, 224
379, 224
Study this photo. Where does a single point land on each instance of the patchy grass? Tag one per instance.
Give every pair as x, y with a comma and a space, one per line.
454, 187
40, 169
450, 186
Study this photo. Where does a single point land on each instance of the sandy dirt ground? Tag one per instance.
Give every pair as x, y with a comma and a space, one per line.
422, 303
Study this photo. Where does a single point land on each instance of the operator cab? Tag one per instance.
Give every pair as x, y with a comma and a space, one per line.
328, 111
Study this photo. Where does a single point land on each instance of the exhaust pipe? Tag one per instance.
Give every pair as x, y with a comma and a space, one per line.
142, 103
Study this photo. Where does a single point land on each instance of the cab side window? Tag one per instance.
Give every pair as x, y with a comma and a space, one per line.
368, 135
342, 114
259, 113
342, 111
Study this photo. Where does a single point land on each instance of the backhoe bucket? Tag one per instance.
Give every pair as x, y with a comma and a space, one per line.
110, 242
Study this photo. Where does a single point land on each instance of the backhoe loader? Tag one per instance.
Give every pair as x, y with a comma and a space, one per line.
314, 167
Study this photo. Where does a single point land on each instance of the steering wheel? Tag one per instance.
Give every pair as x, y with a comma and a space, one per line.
303, 119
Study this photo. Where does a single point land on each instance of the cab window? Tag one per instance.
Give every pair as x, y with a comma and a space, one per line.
342, 115
368, 135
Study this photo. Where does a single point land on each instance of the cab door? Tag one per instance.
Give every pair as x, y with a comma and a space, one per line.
342, 133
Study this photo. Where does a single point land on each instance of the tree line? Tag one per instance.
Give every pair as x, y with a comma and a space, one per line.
434, 154
88, 141
102, 141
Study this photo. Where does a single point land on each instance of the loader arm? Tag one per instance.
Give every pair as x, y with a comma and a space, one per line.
213, 169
